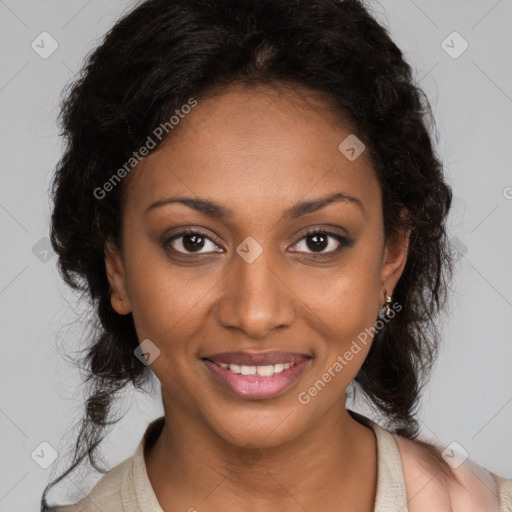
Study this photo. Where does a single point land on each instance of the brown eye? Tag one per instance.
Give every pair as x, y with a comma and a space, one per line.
320, 242
191, 241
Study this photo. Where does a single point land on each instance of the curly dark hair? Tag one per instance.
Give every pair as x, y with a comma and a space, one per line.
165, 51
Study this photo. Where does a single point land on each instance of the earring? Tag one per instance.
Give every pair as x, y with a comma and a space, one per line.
388, 302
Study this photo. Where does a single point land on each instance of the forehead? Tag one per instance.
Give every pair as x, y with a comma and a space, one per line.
258, 145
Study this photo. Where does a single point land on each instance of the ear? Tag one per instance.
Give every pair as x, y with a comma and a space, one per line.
394, 259
114, 267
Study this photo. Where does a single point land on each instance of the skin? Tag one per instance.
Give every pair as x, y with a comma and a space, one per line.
257, 151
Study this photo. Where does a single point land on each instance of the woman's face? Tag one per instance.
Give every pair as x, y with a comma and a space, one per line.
254, 281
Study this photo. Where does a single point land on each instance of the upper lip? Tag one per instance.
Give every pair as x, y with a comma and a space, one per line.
257, 358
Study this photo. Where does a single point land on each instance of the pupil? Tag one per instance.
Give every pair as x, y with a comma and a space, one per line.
322, 244
194, 245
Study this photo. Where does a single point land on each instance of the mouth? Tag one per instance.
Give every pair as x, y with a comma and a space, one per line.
257, 375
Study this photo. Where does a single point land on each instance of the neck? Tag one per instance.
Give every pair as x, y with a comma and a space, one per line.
335, 463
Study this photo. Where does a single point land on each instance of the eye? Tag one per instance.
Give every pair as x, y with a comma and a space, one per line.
321, 242
317, 242
191, 241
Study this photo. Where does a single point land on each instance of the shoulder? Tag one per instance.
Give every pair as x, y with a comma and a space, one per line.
119, 485
432, 484
505, 493
106, 494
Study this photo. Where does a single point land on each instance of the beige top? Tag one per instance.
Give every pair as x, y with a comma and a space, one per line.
126, 487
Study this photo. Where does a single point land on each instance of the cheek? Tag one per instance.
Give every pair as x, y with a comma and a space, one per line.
346, 303
166, 310
346, 299
164, 300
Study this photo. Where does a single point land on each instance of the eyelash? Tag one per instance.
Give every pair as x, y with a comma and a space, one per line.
343, 241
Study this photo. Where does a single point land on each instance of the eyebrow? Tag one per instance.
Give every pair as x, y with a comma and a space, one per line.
218, 211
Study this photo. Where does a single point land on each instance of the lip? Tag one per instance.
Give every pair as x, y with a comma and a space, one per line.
255, 387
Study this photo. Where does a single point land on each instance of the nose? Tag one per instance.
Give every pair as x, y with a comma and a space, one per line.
255, 298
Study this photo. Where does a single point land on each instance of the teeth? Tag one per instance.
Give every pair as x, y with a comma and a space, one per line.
248, 370
265, 371
262, 371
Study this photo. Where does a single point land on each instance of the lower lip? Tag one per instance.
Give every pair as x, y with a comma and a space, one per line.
254, 387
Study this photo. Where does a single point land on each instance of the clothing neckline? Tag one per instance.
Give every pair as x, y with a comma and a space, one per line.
390, 479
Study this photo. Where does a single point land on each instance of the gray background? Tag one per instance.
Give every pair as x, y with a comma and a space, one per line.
469, 399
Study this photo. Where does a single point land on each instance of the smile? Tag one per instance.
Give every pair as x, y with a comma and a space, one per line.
257, 381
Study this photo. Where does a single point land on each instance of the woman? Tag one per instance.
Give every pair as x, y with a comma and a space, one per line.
251, 198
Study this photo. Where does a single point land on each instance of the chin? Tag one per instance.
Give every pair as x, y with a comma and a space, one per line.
259, 428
